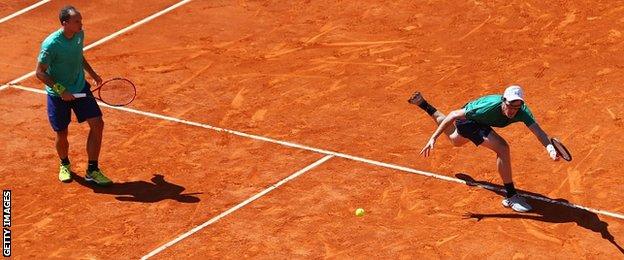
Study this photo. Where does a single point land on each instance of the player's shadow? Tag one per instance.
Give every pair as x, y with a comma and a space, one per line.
142, 191
546, 212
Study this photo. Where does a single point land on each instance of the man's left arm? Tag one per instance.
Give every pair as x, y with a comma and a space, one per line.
544, 139
91, 72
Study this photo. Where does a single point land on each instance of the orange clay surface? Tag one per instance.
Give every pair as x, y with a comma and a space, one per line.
11, 6
331, 75
8, 7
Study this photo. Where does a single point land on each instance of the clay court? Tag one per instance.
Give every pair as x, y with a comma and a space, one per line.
260, 126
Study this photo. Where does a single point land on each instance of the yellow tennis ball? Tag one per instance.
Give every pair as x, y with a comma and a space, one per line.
359, 212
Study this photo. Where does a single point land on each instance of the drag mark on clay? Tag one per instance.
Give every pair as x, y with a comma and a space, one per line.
453, 71
570, 18
613, 116
360, 43
539, 234
476, 28
323, 32
442, 241
277, 75
196, 74
362, 63
282, 52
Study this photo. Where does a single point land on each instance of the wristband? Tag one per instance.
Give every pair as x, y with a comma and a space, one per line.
58, 88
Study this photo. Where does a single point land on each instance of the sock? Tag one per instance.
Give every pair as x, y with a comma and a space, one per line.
511, 190
93, 166
65, 161
428, 108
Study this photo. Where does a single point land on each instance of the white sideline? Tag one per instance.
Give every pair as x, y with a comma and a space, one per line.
240, 205
337, 154
33, 6
107, 38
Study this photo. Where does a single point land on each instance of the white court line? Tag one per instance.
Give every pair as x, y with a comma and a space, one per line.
337, 154
107, 38
33, 6
240, 205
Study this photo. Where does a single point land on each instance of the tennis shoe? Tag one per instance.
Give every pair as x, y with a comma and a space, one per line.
65, 173
98, 178
517, 203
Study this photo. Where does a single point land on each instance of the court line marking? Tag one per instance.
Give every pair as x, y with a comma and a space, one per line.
337, 154
114, 35
235, 208
33, 6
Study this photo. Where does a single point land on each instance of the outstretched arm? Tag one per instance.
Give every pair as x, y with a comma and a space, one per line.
540, 134
544, 139
448, 120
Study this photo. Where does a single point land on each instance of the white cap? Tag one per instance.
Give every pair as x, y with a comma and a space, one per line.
513, 92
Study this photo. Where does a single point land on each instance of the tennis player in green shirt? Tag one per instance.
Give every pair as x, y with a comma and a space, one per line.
61, 67
474, 121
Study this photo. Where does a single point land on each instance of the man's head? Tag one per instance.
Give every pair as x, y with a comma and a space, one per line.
513, 100
70, 19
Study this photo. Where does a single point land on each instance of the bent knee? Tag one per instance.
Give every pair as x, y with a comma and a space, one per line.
457, 140
503, 148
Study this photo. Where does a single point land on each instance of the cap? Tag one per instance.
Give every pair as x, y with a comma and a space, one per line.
513, 92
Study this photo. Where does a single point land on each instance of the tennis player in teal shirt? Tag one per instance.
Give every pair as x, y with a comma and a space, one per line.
474, 123
61, 67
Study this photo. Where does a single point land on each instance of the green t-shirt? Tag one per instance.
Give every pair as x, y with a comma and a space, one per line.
487, 110
64, 59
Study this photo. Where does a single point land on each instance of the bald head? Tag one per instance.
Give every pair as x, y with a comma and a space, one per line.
71, 20
66, 13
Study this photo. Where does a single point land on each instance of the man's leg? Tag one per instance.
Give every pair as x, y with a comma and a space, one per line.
503, 156
94, 144
62, 144
438, 117
503, 160
59, 117
62, 149
94, 141
88, 110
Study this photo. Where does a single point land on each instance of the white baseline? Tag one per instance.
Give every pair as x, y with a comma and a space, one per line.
240, 205
33, 6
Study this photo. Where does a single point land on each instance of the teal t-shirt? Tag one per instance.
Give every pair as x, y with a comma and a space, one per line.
64, 59
487, 110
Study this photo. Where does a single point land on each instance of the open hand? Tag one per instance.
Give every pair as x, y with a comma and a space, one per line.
428, 148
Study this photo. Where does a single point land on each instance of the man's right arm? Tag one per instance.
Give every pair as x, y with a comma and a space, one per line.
448, 120
44, 77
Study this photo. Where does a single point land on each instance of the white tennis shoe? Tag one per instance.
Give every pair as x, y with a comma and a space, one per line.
517, 203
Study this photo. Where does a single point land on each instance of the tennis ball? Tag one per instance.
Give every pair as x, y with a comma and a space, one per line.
359, 212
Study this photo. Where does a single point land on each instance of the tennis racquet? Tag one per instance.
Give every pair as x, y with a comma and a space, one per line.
561, 149
115, 92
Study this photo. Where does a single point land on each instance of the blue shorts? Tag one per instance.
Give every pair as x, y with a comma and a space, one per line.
59, 111
472, 130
